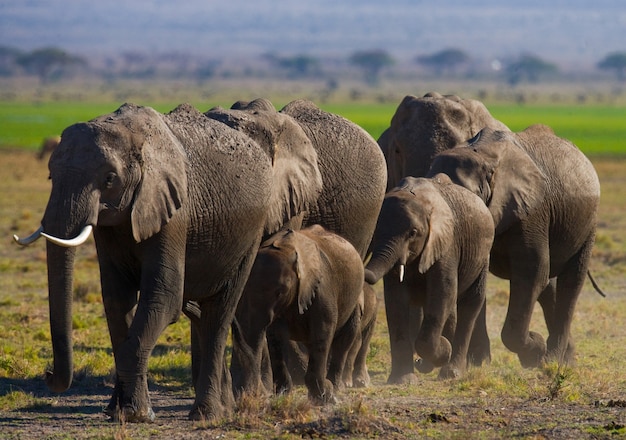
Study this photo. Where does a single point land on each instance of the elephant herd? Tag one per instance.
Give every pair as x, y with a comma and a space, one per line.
275, 224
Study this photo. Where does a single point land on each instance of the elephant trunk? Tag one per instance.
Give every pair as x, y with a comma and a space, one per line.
60, 280
383, 260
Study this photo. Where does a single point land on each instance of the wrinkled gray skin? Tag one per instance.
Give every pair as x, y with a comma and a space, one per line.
355, 372
351, 165
419, 130
441, 234
305, 284
179, 204
350, 162
543, 194
423, 127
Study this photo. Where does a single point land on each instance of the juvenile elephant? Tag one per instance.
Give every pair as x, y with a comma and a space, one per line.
355, 372
423, 127
543, 195
304, 284
442, 234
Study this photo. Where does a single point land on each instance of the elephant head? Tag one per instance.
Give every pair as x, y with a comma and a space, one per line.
423, 127
125, 168
494, 166
415, 223
292, 262
290, 150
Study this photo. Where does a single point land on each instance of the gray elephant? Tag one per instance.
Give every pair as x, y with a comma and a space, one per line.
423, 127
355, 371
442, 234
348, 157
543, 195
178, 204
420, 129
306, 285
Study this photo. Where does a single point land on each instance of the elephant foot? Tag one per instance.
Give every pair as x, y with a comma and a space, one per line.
424, 366
323, 396
450, 372
535, 355
403, 379
361, 380
204, 413
129, 414
121, 409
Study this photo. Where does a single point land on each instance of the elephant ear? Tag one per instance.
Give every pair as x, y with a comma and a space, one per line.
517, 184
308, 267
440, 226
163, 187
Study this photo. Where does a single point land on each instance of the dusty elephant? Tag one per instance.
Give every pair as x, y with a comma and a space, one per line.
305, 285
442, 233
420, 129
423, 127
351, 165
355, 372
543, 195
178, 204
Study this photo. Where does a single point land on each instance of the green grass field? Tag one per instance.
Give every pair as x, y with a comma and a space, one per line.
594, 129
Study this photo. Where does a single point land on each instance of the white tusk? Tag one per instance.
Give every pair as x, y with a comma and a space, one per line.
401, 272
72, 242
30, 239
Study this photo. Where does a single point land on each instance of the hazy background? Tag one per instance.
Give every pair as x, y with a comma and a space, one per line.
570, 32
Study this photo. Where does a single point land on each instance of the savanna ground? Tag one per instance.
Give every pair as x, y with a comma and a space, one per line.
501, 400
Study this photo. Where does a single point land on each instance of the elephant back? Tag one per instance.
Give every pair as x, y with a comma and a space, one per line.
353, 173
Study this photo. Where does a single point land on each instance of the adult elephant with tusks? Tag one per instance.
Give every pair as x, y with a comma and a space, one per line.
543, 195
178, 204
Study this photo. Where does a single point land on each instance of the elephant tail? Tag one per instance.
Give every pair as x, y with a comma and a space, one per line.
595, 285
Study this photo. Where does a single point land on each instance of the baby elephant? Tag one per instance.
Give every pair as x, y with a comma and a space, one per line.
305, 286
442, 234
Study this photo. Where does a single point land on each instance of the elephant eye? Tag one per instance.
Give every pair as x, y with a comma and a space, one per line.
413, 233
110, 179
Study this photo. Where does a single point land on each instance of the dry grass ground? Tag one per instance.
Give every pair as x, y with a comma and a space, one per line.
501, 400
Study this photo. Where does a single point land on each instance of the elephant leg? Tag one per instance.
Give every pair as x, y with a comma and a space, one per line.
277, 342
403, 320
131, 357
321, 390
246, 362
360, 375
547, 299
439, 309
348, 368
479, 350
528, 279
297, 360
341, 345
119, 310
469, 307
217, 315
192, 311
568, 287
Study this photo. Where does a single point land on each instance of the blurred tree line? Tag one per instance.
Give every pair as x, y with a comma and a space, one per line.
52, 64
